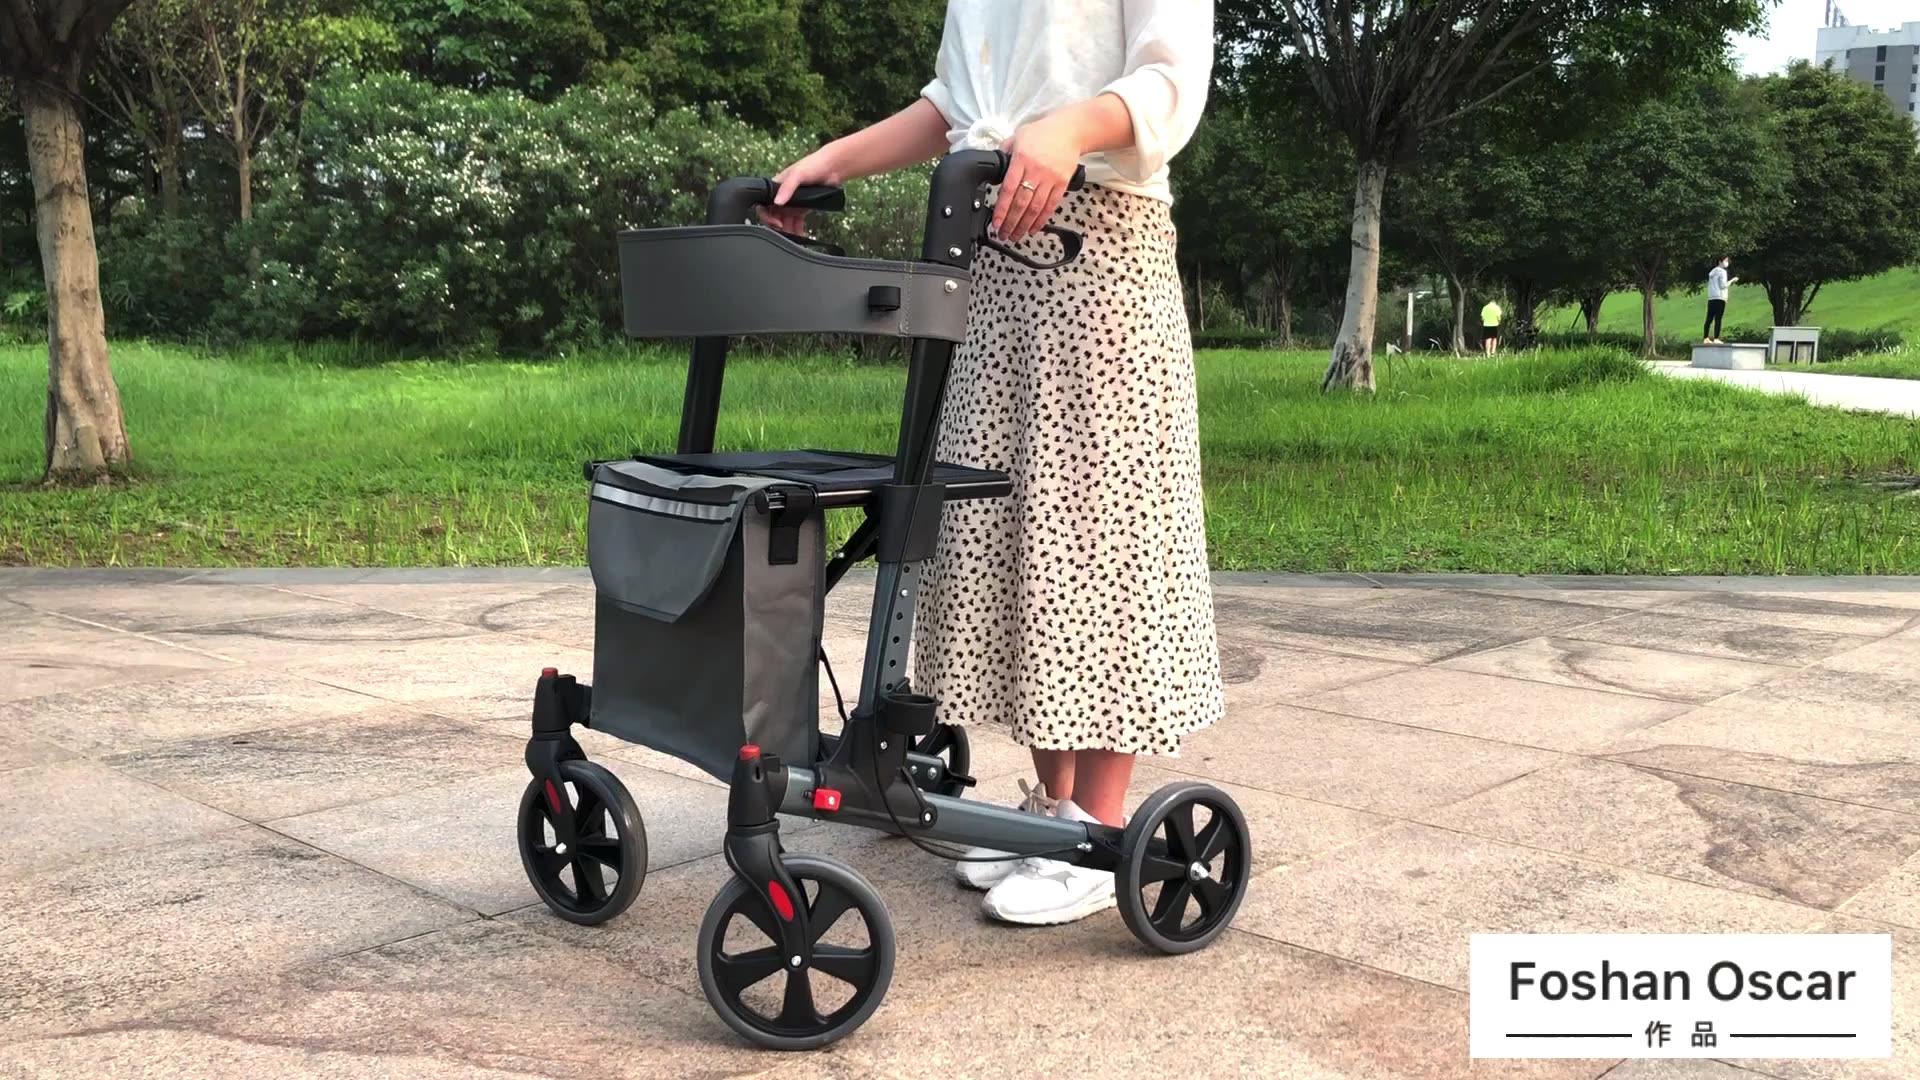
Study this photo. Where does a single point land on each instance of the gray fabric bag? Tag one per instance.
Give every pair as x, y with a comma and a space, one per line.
709, 614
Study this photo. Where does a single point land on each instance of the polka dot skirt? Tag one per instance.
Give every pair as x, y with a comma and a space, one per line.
1078, 611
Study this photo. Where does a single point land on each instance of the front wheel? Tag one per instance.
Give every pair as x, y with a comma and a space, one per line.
766, 996
1185, 861
600, 874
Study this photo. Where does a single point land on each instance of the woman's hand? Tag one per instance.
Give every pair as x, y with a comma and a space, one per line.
820, 167
1045, 153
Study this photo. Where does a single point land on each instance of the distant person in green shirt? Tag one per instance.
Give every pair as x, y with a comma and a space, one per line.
1490, 319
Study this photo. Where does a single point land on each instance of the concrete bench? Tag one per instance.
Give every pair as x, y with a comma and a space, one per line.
1731, 357
1798, 341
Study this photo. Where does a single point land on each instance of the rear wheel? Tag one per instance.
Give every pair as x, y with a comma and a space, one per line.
948, 743
1185, 862
599, 874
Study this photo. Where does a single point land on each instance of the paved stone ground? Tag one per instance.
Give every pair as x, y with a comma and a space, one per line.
1901, 397
260, 824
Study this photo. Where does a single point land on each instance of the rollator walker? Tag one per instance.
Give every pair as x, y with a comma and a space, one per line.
711, 575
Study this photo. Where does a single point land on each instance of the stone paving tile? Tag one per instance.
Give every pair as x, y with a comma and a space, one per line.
484, 606
1748, 839
1424, 891
76, 811
1881, 699
19, 751
1893, 899
91, 943
316, 636
1238, 603
1508, 614
1680, 1069
1623, 598
1827, 760
487, 677
1363, 632
41, 655
478, 1000
1346, 761
1798, 611
457, 840
151, 608
135, 716
1490, 707
1257, 672
1620, 669
303, 768
1754, 641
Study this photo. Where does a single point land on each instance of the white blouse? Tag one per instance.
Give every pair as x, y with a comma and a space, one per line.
1005, 62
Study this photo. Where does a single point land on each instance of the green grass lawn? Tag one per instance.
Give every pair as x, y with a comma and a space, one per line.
1560, 462
1902, 363
1889, 301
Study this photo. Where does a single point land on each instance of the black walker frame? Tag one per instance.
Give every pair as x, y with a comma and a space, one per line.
871, 775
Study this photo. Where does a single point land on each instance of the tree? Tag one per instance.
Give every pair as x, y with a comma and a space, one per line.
46, 49
1389, 72
148, 65
1677, 209
1251, 194
1852, 189
873, 59
750, 55
258, 57
1474, 203
537, 47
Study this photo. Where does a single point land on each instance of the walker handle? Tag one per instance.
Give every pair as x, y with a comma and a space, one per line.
733, 201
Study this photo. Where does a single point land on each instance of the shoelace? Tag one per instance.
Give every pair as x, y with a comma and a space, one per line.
1035, 800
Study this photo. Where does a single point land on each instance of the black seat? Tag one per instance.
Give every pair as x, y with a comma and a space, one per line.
841, 477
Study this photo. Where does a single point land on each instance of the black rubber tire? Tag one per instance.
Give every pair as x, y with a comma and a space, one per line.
947, 741
771, 1033
1168, 815
607, 801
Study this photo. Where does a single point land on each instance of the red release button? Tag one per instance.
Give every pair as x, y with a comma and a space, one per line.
826, 799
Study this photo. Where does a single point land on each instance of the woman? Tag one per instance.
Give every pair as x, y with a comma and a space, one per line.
1078, 612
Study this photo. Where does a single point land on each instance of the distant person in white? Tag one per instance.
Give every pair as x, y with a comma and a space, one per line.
1717, 284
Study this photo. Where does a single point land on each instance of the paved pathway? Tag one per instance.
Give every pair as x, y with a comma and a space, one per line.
260, 824
1901, 397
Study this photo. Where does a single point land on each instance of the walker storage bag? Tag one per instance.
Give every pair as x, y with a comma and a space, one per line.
711, 601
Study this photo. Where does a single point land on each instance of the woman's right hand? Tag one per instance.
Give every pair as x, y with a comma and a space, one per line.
819, 167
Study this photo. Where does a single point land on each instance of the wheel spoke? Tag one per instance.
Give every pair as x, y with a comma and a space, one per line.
1213, 839
741, 970
852, 966
831, 903
549, 863
1180, 842
605, 851
1155, 868
586, 813
587, 882
798, 1009
937, 742
1170, 911
1212, 896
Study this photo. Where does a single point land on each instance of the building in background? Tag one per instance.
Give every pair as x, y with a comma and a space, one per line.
1888, 60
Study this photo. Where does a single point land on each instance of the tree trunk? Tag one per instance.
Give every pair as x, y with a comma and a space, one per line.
243, 169
1647, 341
1352, 363
1285, 271
1521, 321
1590, 306
1458, 292
166, 162
85, 435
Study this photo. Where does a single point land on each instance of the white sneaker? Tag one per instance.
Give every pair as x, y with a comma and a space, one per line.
985, 875
1048, 892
